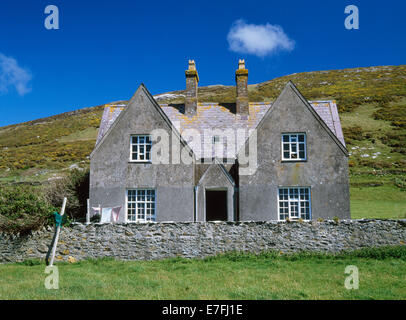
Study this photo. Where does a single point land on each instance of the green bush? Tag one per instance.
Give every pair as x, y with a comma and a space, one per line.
395, 113
23, 209
353, 133
75, 187
400, 182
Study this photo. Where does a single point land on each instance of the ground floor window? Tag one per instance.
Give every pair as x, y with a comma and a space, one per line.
294, 203
141, 205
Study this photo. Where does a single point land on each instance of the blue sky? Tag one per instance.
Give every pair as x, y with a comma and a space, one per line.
105, 49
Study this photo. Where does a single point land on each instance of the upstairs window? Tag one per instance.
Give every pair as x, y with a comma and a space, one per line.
294, 203
141, 148
294, 147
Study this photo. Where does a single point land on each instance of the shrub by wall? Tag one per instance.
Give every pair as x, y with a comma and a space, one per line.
23, 209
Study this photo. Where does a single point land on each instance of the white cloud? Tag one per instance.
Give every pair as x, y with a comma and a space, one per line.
260, 40
12, 75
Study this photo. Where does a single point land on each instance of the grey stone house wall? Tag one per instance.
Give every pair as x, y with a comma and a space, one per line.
112, 173
325, 171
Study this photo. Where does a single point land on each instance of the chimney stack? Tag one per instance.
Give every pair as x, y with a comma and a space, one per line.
241, 79
192, 79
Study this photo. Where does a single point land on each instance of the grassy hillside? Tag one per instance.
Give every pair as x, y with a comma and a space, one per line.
32, 150
371, 101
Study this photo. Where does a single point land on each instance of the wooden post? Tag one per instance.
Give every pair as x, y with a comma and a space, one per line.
88, 212
58, 230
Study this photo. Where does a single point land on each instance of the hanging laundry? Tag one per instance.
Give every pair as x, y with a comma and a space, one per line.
115, 214
106, 215
122, 216
96, 211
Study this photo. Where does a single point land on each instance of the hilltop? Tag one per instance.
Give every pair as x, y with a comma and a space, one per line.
371, 102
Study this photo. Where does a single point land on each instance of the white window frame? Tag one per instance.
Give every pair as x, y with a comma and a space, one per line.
295, 200
292, 145
136, 205
138, 146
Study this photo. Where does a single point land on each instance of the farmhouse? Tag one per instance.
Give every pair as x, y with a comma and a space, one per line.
204, 161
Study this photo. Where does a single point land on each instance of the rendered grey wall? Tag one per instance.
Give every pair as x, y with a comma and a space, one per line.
139, 241
111, 172
325, 171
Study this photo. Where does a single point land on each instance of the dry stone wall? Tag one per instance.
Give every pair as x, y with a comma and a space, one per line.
201, 239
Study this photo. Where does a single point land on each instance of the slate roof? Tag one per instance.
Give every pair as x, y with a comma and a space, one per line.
212, 116
110, 114
328, 111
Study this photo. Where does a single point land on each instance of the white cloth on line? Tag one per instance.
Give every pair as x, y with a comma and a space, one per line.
106, 215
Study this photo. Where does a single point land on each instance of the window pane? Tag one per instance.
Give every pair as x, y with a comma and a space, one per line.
141, 147
141, 205
294, 203
294, 209
294, 146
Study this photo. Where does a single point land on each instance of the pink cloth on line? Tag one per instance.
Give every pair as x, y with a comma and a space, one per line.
115, 212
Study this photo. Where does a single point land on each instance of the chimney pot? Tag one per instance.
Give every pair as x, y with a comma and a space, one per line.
192, 65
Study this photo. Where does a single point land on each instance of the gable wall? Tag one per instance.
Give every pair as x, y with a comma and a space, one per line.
325, 171
111, 173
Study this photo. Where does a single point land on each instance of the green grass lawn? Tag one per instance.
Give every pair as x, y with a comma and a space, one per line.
382, 202
382, 275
